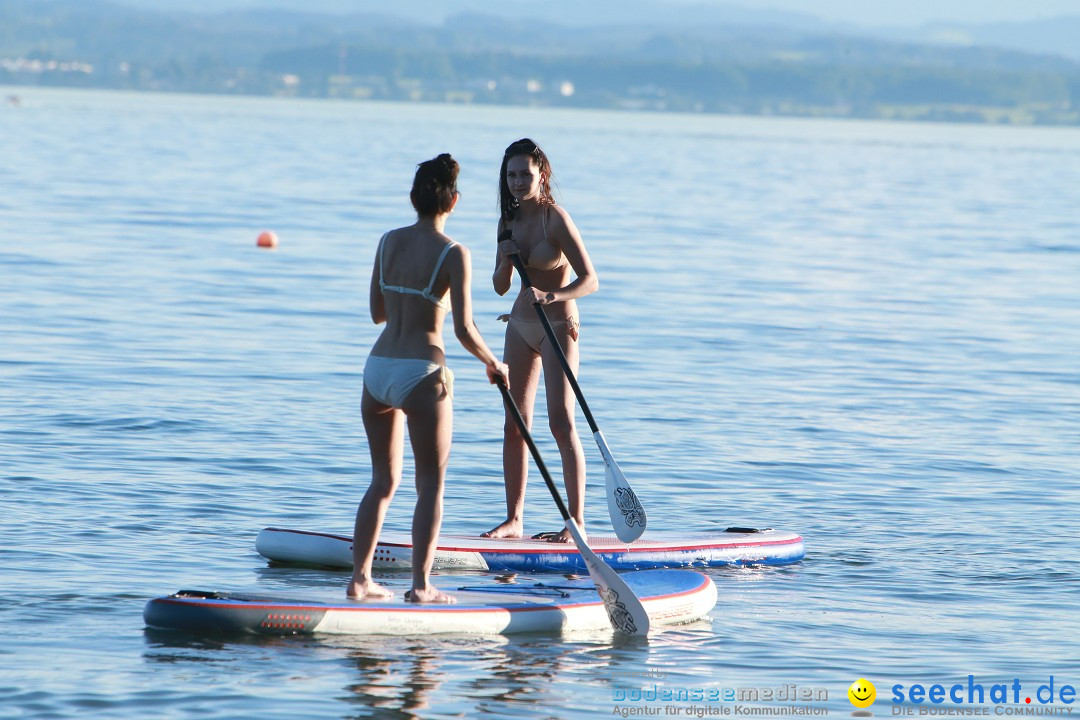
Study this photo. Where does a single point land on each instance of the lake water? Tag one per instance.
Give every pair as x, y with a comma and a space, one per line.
868, 333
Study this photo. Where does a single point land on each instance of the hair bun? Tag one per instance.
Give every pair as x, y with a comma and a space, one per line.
434, 185
446, 167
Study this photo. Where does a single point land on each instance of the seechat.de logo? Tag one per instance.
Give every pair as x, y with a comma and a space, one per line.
862, 694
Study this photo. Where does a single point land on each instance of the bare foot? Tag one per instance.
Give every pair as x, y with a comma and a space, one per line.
367, 590
562, 536
505, 529
430, 594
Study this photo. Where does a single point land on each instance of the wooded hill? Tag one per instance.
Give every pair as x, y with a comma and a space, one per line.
733, 67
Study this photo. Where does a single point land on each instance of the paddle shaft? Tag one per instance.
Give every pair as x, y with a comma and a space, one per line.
519, 265
624, 609
512, 408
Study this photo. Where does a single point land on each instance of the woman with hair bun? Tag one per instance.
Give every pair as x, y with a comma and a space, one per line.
419, 274
560, 270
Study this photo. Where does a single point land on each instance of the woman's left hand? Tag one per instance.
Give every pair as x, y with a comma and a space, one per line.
542, 297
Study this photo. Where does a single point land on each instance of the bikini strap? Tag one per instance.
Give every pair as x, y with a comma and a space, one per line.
382, 242
434, 274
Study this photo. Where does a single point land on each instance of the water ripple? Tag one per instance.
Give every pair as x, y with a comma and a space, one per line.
855, 331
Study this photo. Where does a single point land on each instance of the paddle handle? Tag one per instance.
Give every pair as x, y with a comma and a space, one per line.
512, 408
519, 265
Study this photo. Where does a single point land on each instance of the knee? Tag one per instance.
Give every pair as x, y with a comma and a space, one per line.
563, 430
429, 492
381, 488
511, 432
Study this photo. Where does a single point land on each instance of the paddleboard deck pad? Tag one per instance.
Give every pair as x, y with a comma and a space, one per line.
735, 546
483, 608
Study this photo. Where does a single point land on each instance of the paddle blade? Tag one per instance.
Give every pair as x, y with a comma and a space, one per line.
627, 515
624, 608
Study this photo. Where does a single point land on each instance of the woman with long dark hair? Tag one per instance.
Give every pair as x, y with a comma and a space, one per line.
549, 244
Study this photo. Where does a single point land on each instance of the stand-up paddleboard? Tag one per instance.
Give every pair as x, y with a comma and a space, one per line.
670, 597
736, 546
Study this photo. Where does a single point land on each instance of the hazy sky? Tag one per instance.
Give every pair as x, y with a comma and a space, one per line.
917, 12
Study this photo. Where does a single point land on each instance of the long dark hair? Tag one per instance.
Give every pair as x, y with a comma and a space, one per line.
434, 186
508, 204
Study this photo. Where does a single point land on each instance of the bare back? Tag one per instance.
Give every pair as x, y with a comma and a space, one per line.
414, 323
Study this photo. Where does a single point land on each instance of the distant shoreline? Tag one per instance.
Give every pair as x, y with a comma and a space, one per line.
1035, 116
701, 62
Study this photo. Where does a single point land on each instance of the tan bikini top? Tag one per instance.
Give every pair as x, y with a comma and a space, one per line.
537, 256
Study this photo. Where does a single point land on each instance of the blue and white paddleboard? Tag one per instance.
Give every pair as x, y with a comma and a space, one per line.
736, 546
483, 607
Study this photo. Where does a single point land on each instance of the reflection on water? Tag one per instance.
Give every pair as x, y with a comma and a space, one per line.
517, 675
396, 677
397, 682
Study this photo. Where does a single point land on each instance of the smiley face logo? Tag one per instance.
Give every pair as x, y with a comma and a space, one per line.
862, 693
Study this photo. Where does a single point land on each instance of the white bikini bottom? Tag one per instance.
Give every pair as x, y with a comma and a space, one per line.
390, 380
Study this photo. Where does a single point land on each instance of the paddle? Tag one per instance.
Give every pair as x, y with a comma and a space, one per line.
627, 515
624, 609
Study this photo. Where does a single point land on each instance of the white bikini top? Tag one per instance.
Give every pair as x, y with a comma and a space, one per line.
426, 292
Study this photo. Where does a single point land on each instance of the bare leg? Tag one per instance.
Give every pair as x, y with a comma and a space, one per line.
561, 408
524, 378
384, 432
429, 409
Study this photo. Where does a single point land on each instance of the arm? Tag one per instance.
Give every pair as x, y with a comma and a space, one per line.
503, 276
459, 266
565, 235
375, 296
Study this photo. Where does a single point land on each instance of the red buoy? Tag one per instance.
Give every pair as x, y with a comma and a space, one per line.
267, 239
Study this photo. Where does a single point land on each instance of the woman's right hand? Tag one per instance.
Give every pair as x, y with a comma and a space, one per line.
508, 247
497, 370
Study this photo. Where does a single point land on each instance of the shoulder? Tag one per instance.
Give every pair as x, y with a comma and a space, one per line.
394, 234
456, 253
556, 211
457, 265
560, 221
